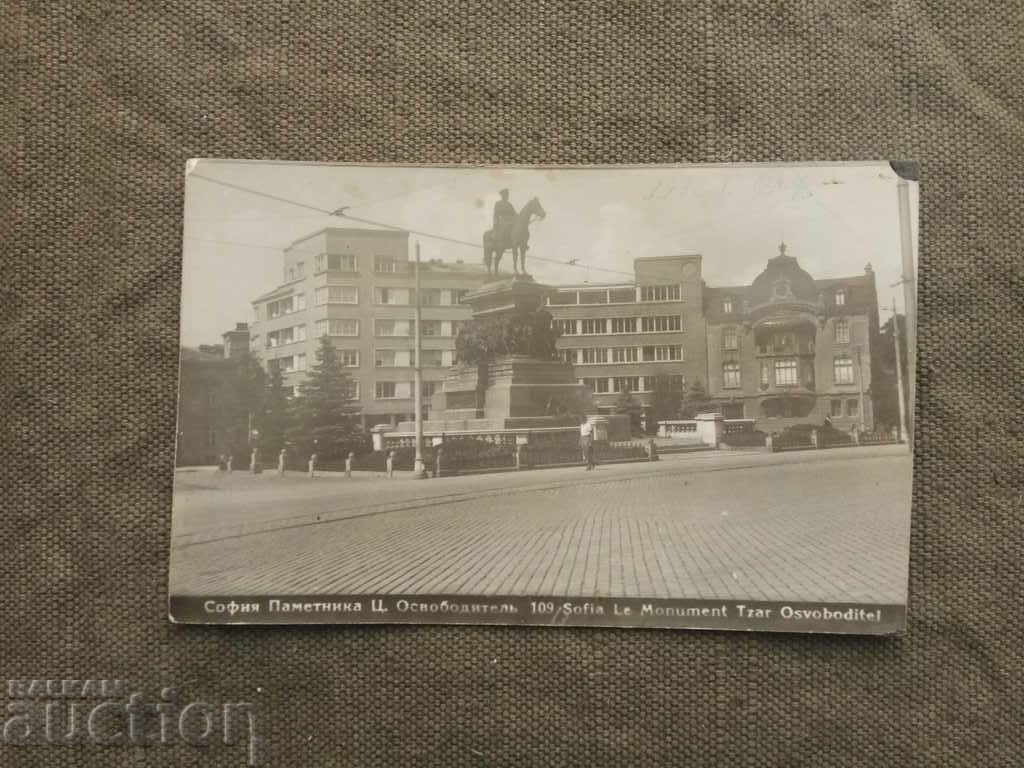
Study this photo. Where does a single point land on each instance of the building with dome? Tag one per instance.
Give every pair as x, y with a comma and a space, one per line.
790, 348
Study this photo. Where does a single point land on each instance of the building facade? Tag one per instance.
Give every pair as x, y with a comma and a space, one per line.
791, 349
785, 349
626, 336
357, 286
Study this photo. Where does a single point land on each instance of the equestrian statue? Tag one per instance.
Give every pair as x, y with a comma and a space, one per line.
510, 231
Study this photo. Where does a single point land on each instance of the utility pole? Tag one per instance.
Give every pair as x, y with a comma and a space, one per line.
899, 372
909, 281
419, 468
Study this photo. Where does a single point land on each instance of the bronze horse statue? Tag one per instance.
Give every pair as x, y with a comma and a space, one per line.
516, 239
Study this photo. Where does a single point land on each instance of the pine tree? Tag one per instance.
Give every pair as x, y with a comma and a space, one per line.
324, 416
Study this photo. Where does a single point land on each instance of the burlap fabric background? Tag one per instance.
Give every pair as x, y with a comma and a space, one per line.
102, 104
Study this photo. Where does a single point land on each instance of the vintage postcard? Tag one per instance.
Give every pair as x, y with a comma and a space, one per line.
634, 396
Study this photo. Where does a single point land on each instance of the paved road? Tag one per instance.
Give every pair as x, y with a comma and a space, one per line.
828, 525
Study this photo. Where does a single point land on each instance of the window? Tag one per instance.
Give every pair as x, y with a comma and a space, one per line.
430, 297
626, 384
387, 264
730, 339
660, 293
336, 262
727, 305
562, 298
786, 374
765, 374
349, 358
394, 328
285, 336
431, 328
852, 407
625, 354
429, 388
836, 408
300, 268
340, 327
337, 294
662, 354
385, 390
623, 325
286, 306
567, 356
622, 295
566, 327
353, 389
300, 362
842, 370
592, 327
593, 297
392, 358
598, 386
842, 331
593, 356
731, 375
661, 323
458, 294
291, 274
840, 296
432, 358
393, 296
211, 437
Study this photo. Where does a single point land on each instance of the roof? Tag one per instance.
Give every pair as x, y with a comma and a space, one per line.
352, 231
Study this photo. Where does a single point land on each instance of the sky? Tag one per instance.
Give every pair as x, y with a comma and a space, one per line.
834, 218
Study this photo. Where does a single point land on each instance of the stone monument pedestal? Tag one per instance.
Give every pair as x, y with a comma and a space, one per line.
512, 389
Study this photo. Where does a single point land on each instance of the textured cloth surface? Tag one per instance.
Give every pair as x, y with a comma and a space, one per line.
103, 103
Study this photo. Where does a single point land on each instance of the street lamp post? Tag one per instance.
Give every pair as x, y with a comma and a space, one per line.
899, 373
419, 467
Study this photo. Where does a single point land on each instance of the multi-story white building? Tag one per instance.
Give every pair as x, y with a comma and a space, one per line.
626, 336
356, 286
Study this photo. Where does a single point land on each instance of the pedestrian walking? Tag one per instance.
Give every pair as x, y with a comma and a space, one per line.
438, 459
312, 465
348, 464
281, 461
587, 443
228, 463
390, 464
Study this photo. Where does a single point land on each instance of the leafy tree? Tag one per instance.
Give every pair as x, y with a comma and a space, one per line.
242, 403
666, 402
697, 401
625, 403
275, 418
325, 420
883, 385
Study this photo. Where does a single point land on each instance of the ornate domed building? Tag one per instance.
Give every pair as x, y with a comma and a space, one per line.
791, 349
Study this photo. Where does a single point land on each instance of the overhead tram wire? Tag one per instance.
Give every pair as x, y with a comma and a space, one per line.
340, 212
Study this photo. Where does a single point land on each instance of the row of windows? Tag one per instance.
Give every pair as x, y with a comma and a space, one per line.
285, 306
349, 327
402, 390
836, 408
349, 262
617, 325
405, 358
284, 336
622, 295
617, 384
603, 355
787, 372
838, 298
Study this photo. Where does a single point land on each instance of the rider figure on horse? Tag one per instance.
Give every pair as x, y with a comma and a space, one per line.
504, 219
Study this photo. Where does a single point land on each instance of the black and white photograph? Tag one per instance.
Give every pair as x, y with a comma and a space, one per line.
673, 396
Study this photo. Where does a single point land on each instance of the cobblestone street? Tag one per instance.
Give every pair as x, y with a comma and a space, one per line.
811, 525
